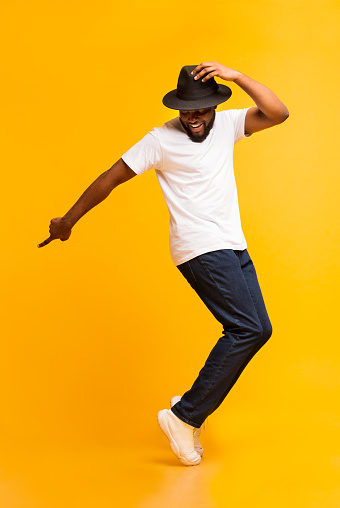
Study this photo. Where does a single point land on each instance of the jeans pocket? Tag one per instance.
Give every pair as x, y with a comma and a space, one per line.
187, 272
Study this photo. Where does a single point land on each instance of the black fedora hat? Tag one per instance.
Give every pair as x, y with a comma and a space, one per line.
193, 94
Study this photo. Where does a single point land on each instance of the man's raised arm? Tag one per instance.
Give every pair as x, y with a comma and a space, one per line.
270, 110
61, 227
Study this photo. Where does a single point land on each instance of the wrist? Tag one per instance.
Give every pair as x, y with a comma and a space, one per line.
68, 220
238, 77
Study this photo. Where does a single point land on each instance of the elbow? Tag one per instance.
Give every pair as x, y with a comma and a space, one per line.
283, 116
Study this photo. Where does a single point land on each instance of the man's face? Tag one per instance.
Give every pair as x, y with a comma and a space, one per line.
198, 123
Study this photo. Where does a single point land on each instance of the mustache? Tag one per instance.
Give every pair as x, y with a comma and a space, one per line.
207, 129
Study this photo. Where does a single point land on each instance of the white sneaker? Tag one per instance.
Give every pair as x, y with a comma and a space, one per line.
197, 432
180, 436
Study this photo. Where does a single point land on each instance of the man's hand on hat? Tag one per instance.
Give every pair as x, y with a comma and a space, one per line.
207, 70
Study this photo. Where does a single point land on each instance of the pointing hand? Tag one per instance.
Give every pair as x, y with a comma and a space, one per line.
59, 228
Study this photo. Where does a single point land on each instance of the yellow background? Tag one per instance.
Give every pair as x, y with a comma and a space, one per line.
100, 331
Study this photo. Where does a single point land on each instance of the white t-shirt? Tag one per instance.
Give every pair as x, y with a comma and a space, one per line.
198, 183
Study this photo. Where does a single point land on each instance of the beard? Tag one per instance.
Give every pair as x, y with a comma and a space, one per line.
202, 137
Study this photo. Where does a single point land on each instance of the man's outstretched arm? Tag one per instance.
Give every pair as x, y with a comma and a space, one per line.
61, 227
270, 110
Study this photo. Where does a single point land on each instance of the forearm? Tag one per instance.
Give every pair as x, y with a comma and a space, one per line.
94, 194
264, 98
61, 227
271, 110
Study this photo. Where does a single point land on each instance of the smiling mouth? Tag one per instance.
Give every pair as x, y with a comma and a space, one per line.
195, 126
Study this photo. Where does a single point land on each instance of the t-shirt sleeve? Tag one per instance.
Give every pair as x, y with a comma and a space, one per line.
144, 155
237, 118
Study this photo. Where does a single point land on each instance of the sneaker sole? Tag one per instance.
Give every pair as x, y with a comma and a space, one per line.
163, 424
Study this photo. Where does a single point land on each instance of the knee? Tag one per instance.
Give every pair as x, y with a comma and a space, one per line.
252, 332
267, 332
256, 332
262, 333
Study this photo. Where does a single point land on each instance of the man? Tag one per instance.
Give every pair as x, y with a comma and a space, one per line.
192, 156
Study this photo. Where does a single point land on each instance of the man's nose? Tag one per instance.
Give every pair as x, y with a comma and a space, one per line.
193, 115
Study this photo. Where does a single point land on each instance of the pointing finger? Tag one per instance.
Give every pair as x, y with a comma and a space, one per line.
45, 242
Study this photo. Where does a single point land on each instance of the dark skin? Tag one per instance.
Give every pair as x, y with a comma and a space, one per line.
196, 121
269, 111
61, 227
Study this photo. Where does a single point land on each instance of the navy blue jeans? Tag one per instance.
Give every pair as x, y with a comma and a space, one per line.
226, 282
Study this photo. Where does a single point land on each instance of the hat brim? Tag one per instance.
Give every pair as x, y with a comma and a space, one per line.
222, 94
